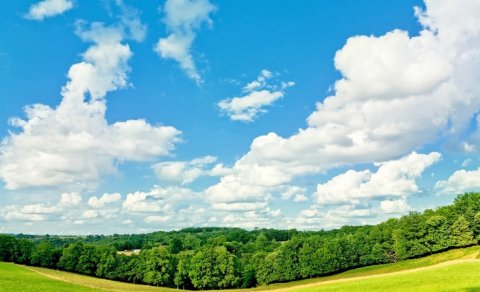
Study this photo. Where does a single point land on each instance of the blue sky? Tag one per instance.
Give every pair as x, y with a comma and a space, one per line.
134, 116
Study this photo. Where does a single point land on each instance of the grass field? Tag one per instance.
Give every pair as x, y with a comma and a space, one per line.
20, 278
449, 271
456, 277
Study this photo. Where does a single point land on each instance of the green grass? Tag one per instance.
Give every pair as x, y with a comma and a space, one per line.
20, 278
17, 278
458, 277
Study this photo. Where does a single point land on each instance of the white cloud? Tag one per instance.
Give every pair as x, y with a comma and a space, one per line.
334, 218
183, 18
295, 193
239, 206
300, 198
158, 199
399, 206
15, 215
73, 144
157, 219
105, 199
69, 199
38, 209
467, 162
90, 214
258, 95
185, 172
392, 178
459, 182
220, 170
48, 8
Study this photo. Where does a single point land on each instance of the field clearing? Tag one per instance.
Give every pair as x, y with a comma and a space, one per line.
451, 270
454, 277
22, 278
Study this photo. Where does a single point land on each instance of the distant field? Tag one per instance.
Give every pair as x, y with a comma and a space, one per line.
452, 270
20, 278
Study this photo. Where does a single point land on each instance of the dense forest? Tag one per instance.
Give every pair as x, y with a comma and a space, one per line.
217, 258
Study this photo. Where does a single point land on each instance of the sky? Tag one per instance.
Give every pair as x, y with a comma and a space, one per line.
137, 116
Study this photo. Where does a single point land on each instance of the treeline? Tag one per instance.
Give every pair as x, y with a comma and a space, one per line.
217, 258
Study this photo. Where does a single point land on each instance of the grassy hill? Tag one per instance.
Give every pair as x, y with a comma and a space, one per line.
452, 270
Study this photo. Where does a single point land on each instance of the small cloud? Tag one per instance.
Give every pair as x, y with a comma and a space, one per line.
48, 8
183, 18
467, 162
105, 199
300, 198
399, 206
257, 95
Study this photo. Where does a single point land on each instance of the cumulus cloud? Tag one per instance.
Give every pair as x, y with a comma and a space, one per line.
41, 211
73, 144
105, 199
297, 194
185, 172
392, 178
459, 182
258, 95
90, 214
183, 19
399, 206
12, 213
334, 218
48, 8
158, 199
70, 199
378, 109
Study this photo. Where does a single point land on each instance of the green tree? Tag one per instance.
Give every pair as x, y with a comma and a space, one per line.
70, 255
44, 255
462, 235
214, 267
107, 265
184, 262
158, 265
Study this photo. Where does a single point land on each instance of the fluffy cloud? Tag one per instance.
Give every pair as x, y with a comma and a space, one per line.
90, 214
105, 199
48, 8
342, 215
392, 178
70, 199
183, 18
258, 94
158, 199
295, 193
378, 109
41, 211
459, 182
185, 172
399, 206
11, 213
73, 144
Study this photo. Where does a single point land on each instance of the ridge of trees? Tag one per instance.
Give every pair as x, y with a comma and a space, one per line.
219, 258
